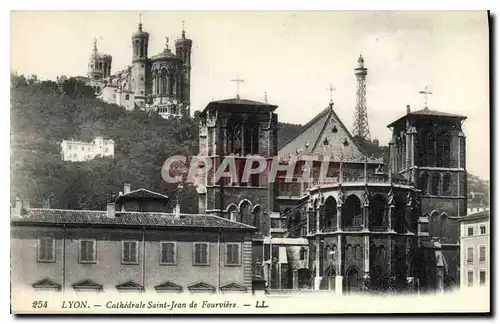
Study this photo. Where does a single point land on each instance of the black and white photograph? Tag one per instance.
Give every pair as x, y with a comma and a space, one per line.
249, 162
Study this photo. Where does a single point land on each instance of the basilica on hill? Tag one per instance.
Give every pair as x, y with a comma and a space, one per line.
372, 226
158, 83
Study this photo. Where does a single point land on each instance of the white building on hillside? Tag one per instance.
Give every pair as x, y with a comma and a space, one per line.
81, 151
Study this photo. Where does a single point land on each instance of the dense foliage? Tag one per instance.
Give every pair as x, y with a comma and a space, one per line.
43, 114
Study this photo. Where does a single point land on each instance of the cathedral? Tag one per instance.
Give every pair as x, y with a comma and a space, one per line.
367, 226
160, 83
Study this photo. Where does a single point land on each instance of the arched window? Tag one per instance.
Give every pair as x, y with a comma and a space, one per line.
331, 212
443, 225
377, 208
232, 212
352, 284
127, 97
447, 184
399, 213
424, 182
443, 150
430, 149
351, 211
245, 212
434, 225
435, 184
294, 224
257, 218
302, 254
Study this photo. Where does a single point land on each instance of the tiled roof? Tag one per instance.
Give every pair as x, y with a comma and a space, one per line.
143, 193
125, 219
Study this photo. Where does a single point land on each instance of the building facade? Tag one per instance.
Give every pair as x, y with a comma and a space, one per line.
475, 249
159, 83
75, 151
132, 246
366, 225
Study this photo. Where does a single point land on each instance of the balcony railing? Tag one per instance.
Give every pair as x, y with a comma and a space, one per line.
296, 188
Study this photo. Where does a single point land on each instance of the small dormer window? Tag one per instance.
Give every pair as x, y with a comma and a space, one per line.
346, 142
334, 129
325, 142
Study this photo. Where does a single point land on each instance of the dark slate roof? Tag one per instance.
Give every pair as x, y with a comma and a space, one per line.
235, 102
316, 130
428, 112
38, 216
143, 193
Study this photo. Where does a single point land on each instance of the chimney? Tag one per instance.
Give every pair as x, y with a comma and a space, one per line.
408, 109
16, 210
177, 211
111, 207
126, 188
110, 211
26, 204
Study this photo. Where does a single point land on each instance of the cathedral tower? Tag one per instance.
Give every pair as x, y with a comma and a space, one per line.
140, 41
183, 51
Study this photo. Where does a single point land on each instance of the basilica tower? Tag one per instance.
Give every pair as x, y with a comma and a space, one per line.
140, 41
183, 51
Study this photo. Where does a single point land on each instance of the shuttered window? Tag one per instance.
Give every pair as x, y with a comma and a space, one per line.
233, 253
87, 251
200, 256
168, 252
130, 253
46, 249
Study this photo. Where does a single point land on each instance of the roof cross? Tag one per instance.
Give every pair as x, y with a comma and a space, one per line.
238, 81
331, 89
426, 94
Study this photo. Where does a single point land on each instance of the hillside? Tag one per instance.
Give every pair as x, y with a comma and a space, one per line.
43, 114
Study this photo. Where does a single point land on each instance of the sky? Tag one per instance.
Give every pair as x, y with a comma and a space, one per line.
293, 56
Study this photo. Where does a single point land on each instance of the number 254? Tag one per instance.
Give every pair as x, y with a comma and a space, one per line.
39, 304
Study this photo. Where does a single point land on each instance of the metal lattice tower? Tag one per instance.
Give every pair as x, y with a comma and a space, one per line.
361, 128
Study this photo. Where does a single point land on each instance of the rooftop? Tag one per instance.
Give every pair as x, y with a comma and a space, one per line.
143, 193
234, 103
428, 112
92, 218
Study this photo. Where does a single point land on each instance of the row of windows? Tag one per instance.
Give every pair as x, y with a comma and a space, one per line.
83, 148
130, 252
470, 277
470, 254
482, 229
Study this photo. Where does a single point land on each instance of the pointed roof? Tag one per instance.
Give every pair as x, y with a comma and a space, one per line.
325, 134
143, 193
168, 286
129, 285
46, 283
201, 286
86, 284
233, 287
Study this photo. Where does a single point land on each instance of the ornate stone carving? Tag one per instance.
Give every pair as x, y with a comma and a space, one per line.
366, 197
390, 197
